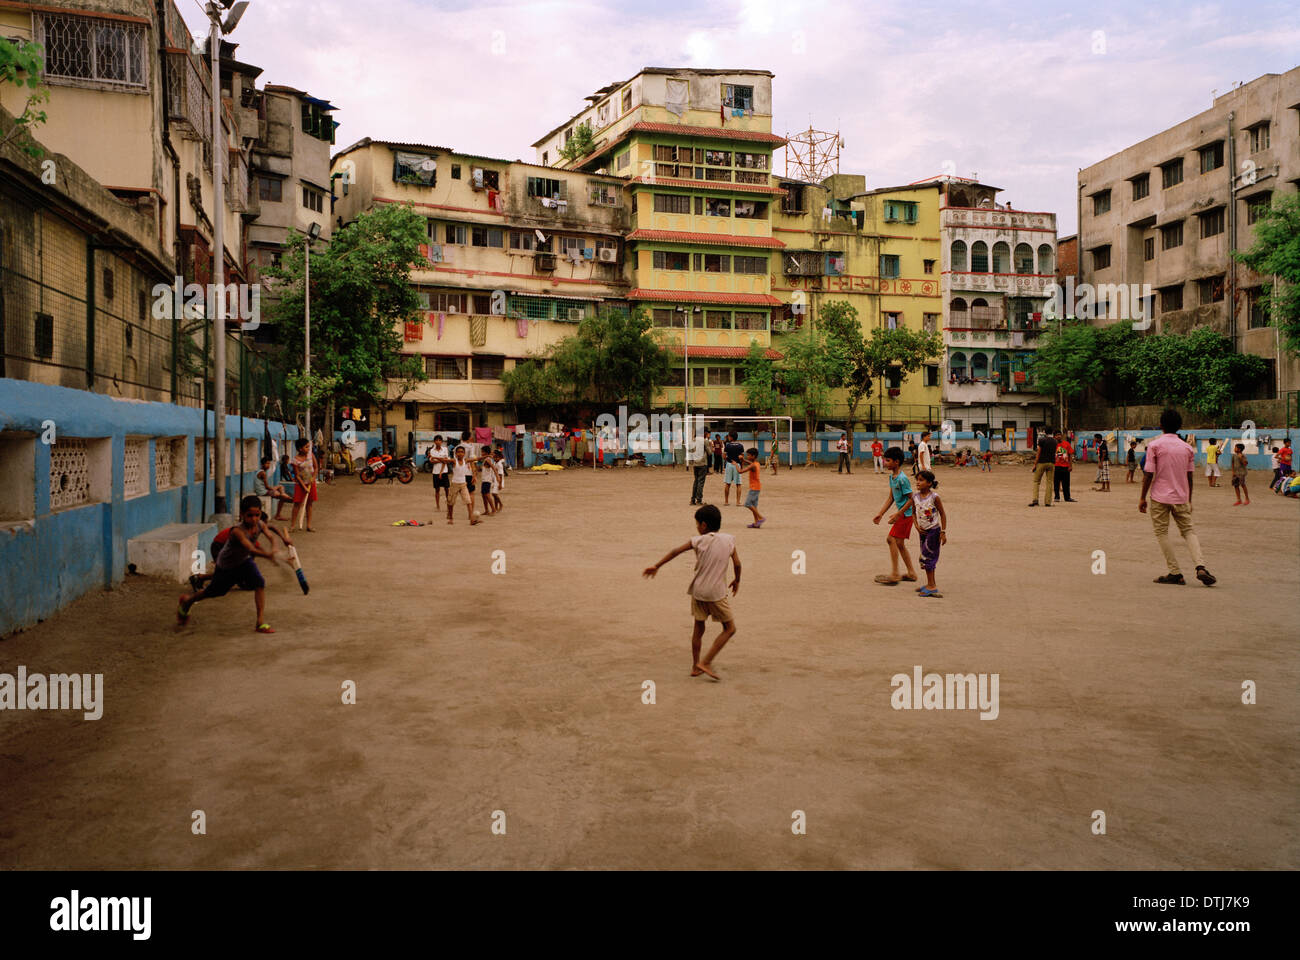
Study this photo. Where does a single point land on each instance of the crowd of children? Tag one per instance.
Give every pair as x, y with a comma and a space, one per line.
460, 476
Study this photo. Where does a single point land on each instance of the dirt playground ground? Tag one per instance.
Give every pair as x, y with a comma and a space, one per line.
522, 692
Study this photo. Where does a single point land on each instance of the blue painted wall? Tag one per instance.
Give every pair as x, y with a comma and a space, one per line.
54, 558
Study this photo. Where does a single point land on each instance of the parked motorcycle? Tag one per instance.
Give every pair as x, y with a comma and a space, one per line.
393, 468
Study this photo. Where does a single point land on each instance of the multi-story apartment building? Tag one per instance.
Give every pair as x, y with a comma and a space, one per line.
290, 171
998, 266
1168, 212
130, 104
877, 250
693, 153
518, 254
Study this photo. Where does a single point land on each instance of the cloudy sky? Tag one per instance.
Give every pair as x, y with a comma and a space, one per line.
1021, 94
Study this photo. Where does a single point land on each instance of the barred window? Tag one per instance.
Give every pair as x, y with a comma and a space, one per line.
87, 48
446, 368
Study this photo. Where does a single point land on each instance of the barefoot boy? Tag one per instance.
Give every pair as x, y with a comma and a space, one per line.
900, 496
235, 566
1240, 471
931, 527
752, 467
708, 588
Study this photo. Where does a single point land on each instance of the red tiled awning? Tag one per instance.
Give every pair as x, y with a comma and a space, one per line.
723, 353
721, 133
706, 239
701, 296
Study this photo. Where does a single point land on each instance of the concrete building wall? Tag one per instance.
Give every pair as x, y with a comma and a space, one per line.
1129, 225
94, 487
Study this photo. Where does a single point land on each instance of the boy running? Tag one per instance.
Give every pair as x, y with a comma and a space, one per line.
900, 496
931, 526
235, 565
708, 587
752, 467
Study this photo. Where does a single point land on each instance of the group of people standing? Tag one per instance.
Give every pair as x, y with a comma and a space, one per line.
458, 476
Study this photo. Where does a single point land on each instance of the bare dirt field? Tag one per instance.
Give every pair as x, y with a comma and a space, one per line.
522, 692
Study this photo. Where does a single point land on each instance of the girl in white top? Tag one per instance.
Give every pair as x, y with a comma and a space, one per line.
931, 526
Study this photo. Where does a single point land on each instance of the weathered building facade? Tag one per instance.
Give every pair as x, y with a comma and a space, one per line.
1168, 212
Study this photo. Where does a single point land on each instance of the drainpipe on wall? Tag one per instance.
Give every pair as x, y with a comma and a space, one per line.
1232, 232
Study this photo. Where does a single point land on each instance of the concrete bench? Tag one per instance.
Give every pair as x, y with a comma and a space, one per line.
168, 552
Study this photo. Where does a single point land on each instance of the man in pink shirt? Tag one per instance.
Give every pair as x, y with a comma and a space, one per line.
1168, 476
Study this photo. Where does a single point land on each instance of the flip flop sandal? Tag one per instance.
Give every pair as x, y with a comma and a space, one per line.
1169, 578
264, 628
886, 581
1206, 577
908, 579
926, 592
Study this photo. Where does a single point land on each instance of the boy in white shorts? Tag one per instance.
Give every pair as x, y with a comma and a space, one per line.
1212, 474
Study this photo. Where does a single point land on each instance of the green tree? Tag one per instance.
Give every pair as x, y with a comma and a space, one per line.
580, 144
759, 382
1068, 360
872, 357
361, 294
614, 357
1197, 371
815, 364
22, 65
1275, 255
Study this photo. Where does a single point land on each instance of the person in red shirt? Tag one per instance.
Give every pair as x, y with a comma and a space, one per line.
1284, 456
878, 455
1064, 464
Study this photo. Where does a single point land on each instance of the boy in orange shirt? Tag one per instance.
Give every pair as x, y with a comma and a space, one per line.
752, 467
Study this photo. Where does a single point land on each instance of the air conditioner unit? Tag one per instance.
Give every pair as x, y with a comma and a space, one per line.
544, 261
575, 313
608, 255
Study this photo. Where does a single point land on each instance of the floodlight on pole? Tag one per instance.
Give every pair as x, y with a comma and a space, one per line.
312, 233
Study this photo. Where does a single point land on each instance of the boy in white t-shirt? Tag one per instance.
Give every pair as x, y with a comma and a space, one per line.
462, 471
498, 464
708, 588
923, 452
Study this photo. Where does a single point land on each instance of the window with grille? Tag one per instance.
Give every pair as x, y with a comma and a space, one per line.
737, 97
69, 473
1141, 186
521, 241
446, 368
135, 467
1210, 289
487, 237
1101, 257
713, 262
1255, 308
489, 368
1212, 223
1149, 248
672, 203
1256, 205
603, 194
670, 260
162, 465
1171, 298
1259, 137
930, 322
717, 319
750, 321
455, 233
269, 189
889, 265
545, 187
87, 48
1171, 236
448, 303
749, 265
1211, 157
415, 168
667, 317
1100, 203
1171, 173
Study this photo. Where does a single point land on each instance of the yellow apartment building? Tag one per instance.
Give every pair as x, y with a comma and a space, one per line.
517, 255
693, 152
879, 251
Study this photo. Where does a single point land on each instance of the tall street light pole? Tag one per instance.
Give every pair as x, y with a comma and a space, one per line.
218, 299
312, 233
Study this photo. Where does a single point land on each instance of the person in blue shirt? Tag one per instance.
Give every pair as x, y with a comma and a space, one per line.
900, 497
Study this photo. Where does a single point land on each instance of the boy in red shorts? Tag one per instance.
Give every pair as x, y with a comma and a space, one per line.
900, 497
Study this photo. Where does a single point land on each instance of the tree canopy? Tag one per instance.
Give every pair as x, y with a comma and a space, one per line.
1275, 255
